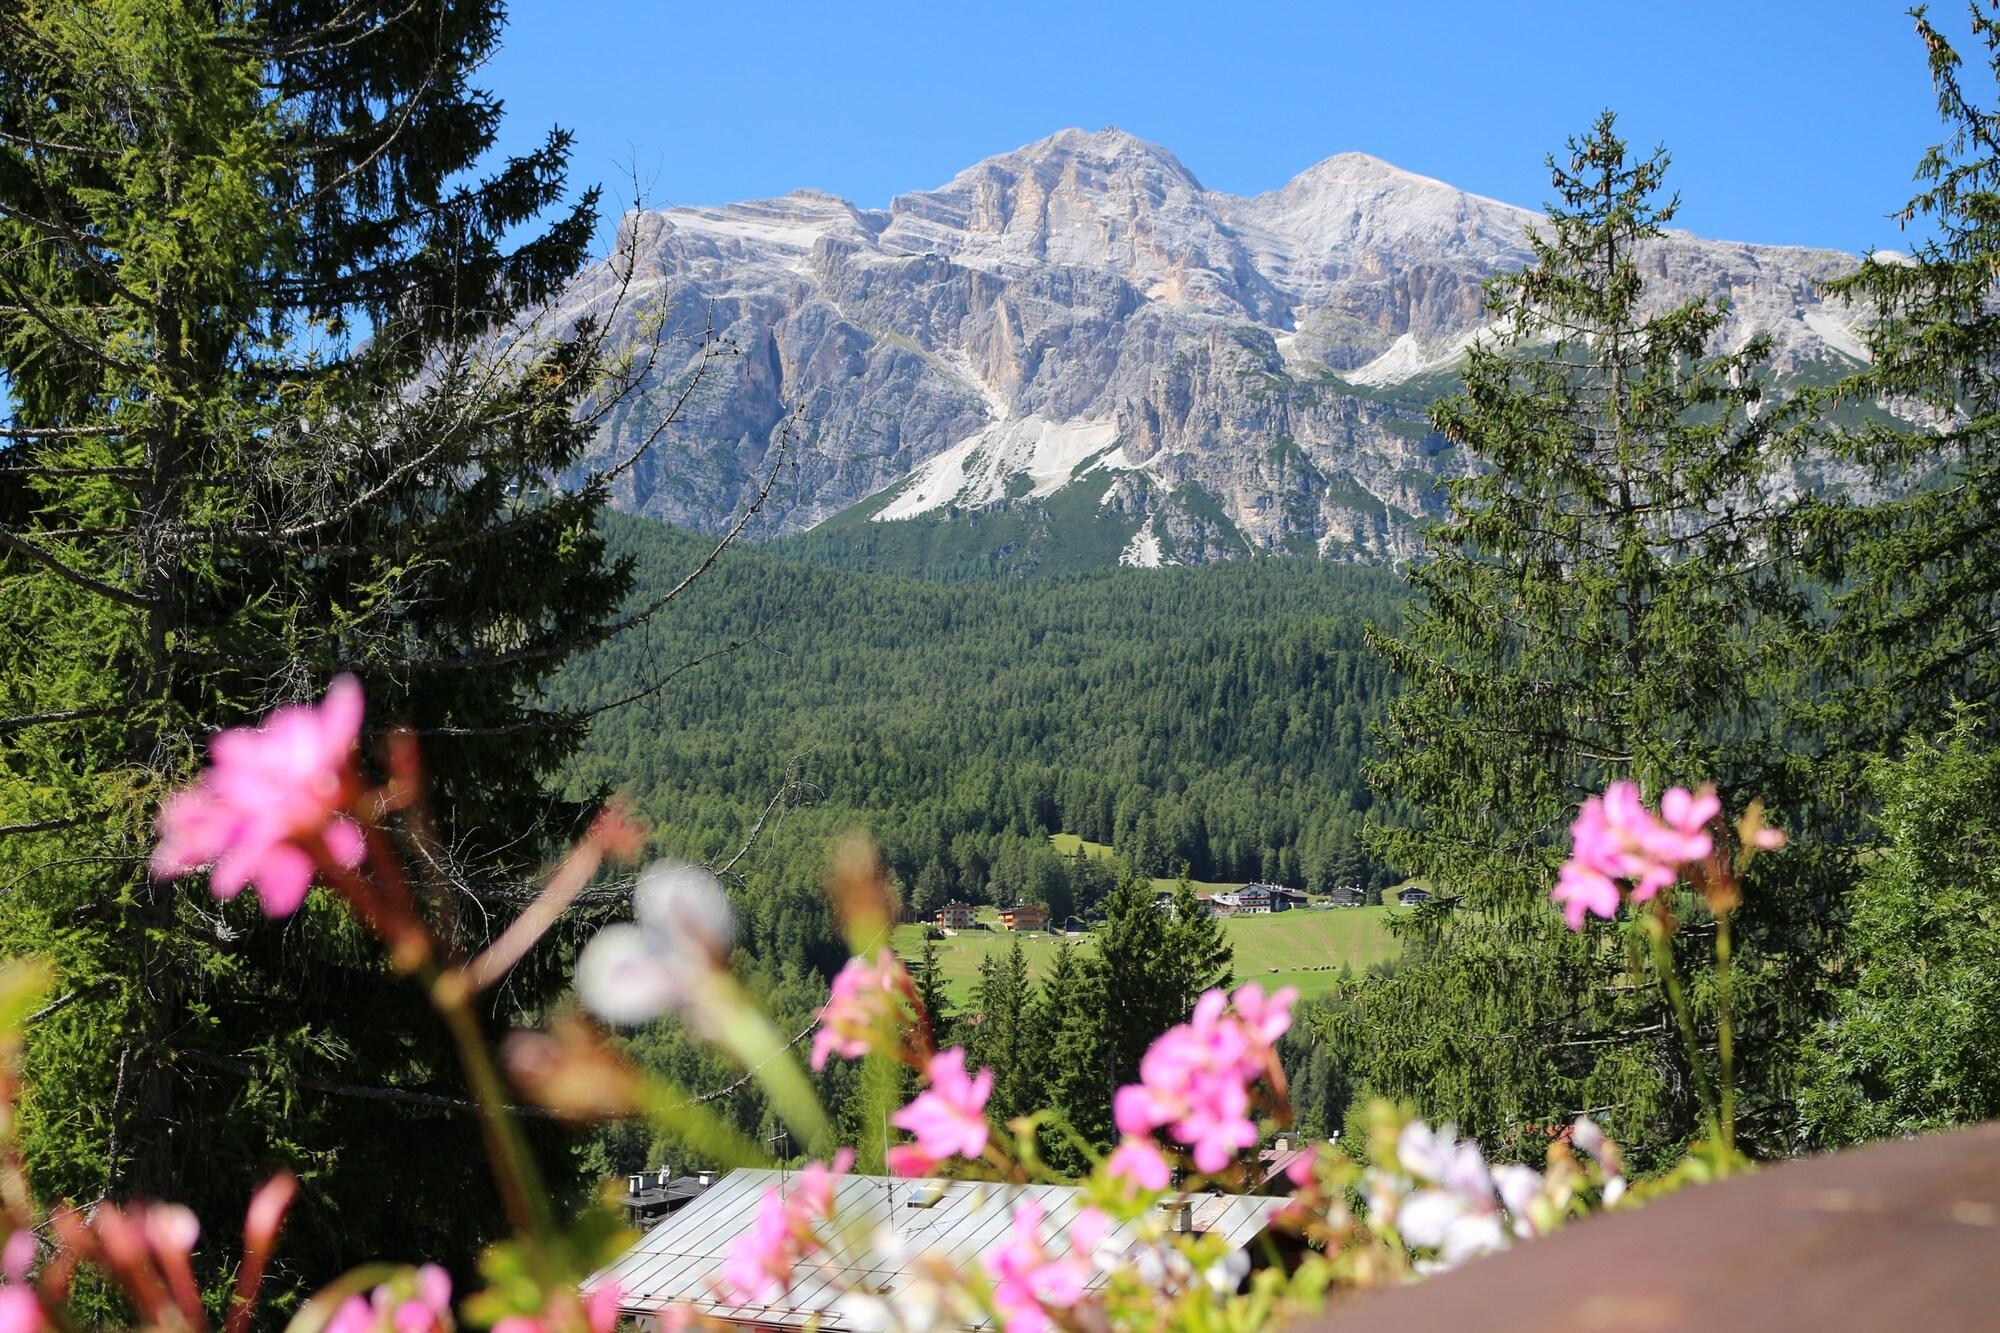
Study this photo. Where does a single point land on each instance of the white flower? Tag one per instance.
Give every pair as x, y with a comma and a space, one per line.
1227, 1273
681, 930
1519, 1187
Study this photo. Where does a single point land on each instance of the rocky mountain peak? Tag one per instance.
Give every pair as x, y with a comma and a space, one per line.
1079, 324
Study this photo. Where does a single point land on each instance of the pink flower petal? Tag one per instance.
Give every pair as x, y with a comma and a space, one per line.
283, 876
344, 841
907, 1159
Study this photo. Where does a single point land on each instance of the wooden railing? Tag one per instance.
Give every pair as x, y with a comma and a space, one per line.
1900, 1237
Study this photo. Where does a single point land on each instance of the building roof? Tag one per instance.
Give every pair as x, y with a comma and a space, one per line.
1273, 1163
681, 1258
677, 1189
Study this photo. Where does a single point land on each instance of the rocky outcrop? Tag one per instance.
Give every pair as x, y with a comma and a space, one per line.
1255, 369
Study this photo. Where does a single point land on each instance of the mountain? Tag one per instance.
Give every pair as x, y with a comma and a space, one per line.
1077, 347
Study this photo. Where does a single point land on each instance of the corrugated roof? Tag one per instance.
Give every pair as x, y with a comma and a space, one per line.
681, 1258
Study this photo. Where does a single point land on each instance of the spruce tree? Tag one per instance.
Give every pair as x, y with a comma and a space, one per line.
1197, 943
1601, 601
931, 993
260, 435
1001, 1040
1917, 568
1142, 983
1072, 1039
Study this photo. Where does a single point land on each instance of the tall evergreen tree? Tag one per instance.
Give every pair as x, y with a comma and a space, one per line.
931, 993
1600, 602
259, 436
1918, 568
1197, 944
1070, 1027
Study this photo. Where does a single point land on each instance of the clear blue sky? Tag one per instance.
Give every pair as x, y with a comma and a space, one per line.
1789, 121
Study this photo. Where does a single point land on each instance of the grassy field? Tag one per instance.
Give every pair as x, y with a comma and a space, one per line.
1304, 948
1067, 843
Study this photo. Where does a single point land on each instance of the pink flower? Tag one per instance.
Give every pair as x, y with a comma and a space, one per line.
20, 1312
863, 999
600, 1314
1616, 839
1265, 1019
19, 1255
949, 1118
1195, 1077
907, 1159
1026, 1281
419, 1304
268, 795
1217, 1124
1138, 1161
758, 1267
600, 1307
1581, 890
760, 1261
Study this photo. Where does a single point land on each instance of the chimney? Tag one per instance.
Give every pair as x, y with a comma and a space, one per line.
636, 1183
705, 1178
1180, 1216
1283, 1143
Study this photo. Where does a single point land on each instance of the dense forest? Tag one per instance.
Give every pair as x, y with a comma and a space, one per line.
1210, 720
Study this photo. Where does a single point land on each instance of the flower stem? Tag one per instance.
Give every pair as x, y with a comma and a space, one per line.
1725, 1033
387, 906
1660, 932
514, 1169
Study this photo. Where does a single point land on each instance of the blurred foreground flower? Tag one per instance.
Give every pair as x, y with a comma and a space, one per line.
948, 1118
269, 796
1195, 1078
862, 1004
1028, 1282
597, 1309
1615, 839
20, 1312
570, 1070
418, 1303
681, 932
759, 1265
1437, 1194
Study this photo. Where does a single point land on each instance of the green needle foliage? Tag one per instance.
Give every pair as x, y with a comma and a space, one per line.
1913, 1046
1919, 568
1600, 602
261, 434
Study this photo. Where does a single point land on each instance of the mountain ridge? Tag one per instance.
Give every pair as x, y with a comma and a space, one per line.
1223, 372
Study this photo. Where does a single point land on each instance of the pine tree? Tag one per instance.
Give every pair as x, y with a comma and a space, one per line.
1071, 1039
930, 991
1143, 985
933, 889
1002, 1039
1918, 570
1600, 602
260, 435
1198, 945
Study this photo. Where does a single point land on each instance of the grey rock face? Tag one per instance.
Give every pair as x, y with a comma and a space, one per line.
1233, 373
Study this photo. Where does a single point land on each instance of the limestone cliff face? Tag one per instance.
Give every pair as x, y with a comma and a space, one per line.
1229, 373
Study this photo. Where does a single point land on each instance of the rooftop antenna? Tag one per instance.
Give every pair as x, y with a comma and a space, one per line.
783, 1137
888, 1180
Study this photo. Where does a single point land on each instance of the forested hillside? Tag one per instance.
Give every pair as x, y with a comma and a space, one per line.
1215, 718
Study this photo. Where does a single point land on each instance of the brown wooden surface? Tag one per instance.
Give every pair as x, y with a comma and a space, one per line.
1899, 1236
